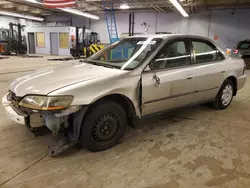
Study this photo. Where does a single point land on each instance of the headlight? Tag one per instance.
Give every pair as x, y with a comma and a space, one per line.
46, 102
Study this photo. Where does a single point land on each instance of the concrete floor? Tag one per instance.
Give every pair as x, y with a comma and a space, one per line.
191, 148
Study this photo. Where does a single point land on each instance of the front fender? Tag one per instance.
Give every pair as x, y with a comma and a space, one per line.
86, 93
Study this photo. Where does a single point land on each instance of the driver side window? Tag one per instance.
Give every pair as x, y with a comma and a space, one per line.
173, 54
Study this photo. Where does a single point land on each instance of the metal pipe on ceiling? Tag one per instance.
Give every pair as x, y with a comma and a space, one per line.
156, 9
32, 6
163, 11
89, 4
168, 5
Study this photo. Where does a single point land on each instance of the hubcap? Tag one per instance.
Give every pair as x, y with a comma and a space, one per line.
105, 127
227, 95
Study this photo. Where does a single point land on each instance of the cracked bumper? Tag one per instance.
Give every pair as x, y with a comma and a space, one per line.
13, 113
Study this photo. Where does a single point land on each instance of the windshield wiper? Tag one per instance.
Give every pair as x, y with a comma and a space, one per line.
99, 64
109, 66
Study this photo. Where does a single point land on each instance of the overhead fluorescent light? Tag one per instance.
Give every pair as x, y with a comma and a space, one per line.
179, 7
21, 16
124, 6
80, 13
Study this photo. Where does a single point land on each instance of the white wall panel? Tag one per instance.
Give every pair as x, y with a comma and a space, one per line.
229, 28
101, 27
199, 24
148, 18
169, 23
225, 26
4, 21
184, 25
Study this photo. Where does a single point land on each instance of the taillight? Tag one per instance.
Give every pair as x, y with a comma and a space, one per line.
236, 51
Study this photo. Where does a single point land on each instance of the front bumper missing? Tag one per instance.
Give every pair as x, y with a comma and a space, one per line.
33, 122
11, 112
36, 122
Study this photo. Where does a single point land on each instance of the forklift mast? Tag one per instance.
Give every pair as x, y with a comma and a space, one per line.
12, 41
16, 41
131, 26
4, 35
94, 38
86, 43
77, 41
83, 38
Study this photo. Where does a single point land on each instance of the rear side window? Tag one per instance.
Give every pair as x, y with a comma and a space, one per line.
244, 45
205, 51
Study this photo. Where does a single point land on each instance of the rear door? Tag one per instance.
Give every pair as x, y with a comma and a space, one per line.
210, 68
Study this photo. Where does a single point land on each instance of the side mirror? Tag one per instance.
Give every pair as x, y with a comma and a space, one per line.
147, 69
153, 65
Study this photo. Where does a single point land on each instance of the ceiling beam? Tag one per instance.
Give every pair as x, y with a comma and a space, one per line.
32, 5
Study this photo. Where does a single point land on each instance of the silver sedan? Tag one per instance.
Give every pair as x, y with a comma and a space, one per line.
93, 101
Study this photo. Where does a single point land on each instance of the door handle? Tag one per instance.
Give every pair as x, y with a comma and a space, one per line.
189, 78
223, 71
157, 80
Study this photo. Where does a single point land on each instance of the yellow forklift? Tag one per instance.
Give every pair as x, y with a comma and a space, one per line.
86, 43
12, 41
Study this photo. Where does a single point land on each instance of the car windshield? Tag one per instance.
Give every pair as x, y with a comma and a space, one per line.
126, 54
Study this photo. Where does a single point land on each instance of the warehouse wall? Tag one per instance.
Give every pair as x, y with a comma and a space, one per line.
229, 28
4, 22
47, 30
66, 20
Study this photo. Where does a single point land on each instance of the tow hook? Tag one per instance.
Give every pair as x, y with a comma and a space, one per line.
60, 145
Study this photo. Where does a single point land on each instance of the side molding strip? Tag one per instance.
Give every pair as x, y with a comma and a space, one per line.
175, 96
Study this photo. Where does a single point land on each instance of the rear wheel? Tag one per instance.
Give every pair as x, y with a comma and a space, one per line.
225, 95
103, 126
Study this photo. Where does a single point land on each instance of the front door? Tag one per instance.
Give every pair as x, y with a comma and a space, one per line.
170, 82
54, 44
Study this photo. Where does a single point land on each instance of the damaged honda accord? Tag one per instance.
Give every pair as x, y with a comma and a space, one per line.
92, 101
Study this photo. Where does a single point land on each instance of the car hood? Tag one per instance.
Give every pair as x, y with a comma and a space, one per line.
44, 81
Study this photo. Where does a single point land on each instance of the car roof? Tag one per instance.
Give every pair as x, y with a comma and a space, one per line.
247, 40
154, 36
165, 36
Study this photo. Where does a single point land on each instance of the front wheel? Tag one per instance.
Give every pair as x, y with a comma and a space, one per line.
103, 126
225, 95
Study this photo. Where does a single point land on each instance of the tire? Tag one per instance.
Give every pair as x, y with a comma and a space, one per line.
74, 54
103, 126
227, 89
